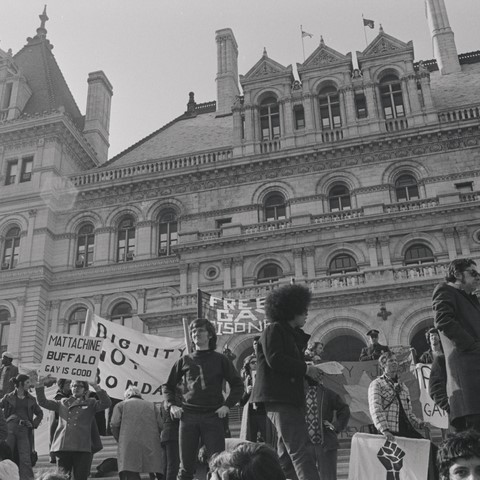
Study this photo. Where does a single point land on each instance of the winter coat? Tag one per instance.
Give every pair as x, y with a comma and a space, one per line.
280, 365
74, 431
136, 425
10, 371
457, 317
9, 405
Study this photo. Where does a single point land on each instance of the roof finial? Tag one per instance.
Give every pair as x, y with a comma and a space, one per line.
321, 40
42, 31
380, 29
265, 54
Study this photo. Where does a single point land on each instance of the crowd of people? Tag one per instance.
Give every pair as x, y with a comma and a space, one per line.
290, 419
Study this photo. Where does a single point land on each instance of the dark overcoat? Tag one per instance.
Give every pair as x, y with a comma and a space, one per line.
280, 365
457, 317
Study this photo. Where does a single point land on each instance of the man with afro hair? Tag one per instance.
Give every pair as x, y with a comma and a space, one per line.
279, 383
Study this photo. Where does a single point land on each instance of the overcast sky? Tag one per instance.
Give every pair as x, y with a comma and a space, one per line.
154, 51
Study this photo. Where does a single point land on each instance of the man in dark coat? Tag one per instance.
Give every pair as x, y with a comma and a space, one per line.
7, 372
279, 383
457, 317
375, 349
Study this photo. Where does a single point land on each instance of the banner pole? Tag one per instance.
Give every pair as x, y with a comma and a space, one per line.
186, 334
88, 323
199, 303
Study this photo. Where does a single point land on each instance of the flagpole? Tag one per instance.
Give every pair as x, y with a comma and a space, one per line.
303, 44
88, 323
364, 31
186, 334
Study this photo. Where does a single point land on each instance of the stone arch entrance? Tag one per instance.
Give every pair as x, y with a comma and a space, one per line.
418, 340
344, 347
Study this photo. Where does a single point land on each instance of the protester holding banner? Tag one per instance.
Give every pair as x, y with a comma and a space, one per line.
23, 415
204, 407
281, 371
136, 426
457, 317
72, 443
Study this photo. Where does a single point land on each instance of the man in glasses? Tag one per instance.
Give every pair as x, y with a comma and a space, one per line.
457, 317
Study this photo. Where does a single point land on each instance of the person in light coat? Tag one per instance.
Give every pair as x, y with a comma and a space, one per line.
73, 443
136, 425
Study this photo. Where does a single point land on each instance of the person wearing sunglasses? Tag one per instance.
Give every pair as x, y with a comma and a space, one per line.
457, 317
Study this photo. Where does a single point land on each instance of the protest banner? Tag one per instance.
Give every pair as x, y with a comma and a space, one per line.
374, 457
71, 356
232, 315
134, 358
431, 412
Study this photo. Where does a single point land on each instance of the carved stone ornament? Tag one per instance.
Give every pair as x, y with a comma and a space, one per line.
384, 46
323, 58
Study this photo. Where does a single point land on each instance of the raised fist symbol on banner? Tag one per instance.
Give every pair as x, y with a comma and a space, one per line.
391, 457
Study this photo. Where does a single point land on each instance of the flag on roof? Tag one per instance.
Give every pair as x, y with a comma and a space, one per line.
306, 34
368, 23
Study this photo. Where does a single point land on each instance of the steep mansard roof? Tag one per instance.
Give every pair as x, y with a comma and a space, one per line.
44, 77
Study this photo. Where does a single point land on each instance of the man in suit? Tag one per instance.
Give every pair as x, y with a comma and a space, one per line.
7, 372
375, 349
457, 317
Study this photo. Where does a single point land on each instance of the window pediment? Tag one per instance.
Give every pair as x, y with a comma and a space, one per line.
384, 44
324, 56
266, 68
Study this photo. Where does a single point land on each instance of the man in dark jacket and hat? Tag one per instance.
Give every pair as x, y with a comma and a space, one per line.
7, 372
375, 349
457, 317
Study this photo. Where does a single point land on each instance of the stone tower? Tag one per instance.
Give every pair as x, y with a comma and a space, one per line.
443, 39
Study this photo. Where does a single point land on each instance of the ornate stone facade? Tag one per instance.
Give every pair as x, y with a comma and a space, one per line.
359, 180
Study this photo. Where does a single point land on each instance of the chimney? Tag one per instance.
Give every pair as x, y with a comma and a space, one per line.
97, 118
227, 71
443, 40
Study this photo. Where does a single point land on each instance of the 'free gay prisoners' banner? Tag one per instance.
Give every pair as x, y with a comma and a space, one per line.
71, 356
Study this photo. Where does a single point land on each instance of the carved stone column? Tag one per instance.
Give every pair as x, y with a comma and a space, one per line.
411, 84
371, 101
297, 258
286, 107
140, 293
183, 267
15, 334
104, 245
54, 307
385, 246
194, 269
372, 251
97, 304
227, 273
448, 232
238, 266
463, 235
349, 99
249, 123
308, 109
310, 260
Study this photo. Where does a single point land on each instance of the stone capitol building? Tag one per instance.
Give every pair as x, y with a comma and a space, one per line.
357, 178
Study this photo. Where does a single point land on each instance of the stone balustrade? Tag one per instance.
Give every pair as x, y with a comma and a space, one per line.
266, 227
396, 124
333, 135
210, 234
459, 114
336, 216
470, 196
411, 205
270, 146
165, 165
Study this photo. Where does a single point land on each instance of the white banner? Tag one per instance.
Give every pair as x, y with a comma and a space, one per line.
374, 457
129, 358
71, 356
431, 413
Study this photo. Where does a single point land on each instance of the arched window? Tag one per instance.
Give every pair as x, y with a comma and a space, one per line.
269, 273
270, 118
122, 314
339, 198
391, 97
85, 246
343, 263
274, 207
4, 329
406, 188
126, 240
76, 322
417, 254
11, 249
329, 102
167, 233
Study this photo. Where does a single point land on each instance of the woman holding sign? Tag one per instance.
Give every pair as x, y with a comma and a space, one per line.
72, 443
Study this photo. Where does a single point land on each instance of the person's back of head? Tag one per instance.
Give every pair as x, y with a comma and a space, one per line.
248, 461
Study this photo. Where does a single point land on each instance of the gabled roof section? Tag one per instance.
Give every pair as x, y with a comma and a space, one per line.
324, 57
44, 77
385, 45
265, 68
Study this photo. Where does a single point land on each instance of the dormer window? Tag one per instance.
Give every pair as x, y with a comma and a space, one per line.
270, 118
391, 97
329, 108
